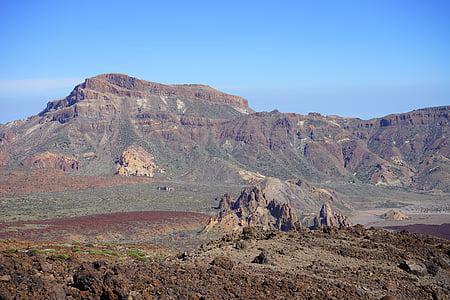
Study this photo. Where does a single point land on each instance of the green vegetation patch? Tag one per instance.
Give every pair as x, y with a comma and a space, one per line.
62, 256
137, 254
100, 252
41, 251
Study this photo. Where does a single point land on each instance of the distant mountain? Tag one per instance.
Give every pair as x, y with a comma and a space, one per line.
114, 122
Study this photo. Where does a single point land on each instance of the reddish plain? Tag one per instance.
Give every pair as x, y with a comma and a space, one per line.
23, 182
132, 227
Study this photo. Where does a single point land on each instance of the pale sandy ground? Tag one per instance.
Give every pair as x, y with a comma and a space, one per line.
372, 218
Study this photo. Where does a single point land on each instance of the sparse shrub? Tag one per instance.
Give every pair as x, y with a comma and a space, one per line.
137, 254
62, 256
101, 252
35, 251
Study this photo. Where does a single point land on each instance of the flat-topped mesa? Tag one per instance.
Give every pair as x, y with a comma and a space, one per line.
328, 218
121, 85
253, 208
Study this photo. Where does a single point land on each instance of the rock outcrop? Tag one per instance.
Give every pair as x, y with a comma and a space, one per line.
135, 161
4, 139
394, 215
3, 155
328, 218
253, 208
49, 160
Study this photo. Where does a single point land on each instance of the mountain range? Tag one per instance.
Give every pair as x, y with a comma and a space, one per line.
117, 124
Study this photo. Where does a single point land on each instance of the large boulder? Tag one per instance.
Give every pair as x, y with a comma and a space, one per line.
135, 161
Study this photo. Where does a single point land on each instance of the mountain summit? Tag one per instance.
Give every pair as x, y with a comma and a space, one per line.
107, 86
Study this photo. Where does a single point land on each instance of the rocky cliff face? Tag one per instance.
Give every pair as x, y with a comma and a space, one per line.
200, 134
107, 86
328, 218
254, 208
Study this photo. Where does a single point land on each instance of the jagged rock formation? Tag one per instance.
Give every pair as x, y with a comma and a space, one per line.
269, 198
253, 208
3, 156
394, 215
135, 161
201, 134
48, 160
328, 218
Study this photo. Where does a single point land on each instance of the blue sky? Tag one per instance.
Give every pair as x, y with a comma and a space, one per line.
351, 58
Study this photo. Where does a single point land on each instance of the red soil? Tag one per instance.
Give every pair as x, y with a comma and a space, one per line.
129, 226
20, 182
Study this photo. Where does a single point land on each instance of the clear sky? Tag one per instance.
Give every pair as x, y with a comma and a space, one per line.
351, 58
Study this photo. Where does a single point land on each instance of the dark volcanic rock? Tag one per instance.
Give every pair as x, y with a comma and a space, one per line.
262, 258
303, 265
413, 267
223, 262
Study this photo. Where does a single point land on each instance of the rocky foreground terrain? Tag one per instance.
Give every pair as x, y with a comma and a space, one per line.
351, 263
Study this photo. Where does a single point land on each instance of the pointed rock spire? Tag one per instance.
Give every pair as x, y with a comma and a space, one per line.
328, 218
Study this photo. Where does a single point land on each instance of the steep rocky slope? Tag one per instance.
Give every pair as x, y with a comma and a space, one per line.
196, 133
